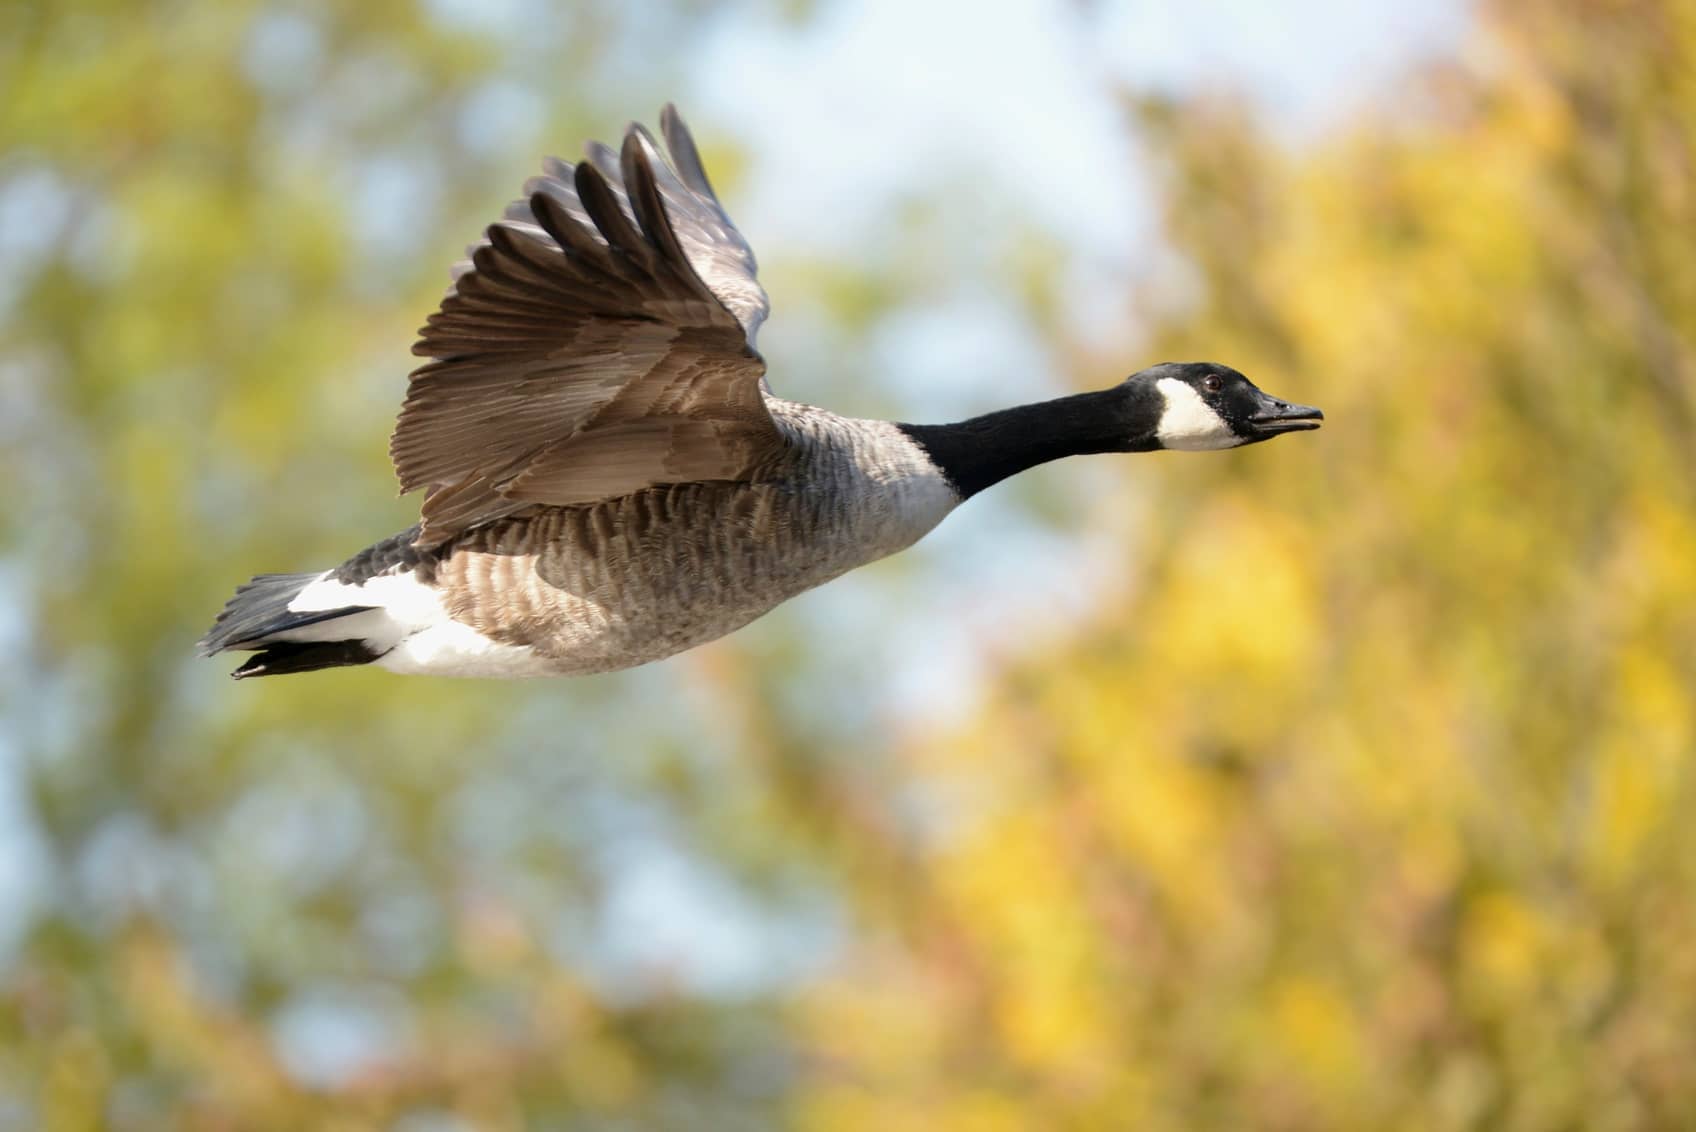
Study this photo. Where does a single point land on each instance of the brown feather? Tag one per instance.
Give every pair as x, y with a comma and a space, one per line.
580, 355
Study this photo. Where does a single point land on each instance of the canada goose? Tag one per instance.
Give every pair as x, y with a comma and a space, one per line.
607, 478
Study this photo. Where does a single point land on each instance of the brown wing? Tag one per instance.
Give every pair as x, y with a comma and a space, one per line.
582, 354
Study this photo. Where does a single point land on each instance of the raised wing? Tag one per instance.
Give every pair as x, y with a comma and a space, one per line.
598, 341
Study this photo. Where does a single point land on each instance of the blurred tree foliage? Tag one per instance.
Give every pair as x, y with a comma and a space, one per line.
1368, 804
335, 904
1358, 806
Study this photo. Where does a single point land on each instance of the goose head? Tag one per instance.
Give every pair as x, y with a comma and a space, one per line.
1204, 406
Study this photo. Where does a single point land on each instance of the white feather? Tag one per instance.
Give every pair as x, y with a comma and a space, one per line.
454, 649
1188, 423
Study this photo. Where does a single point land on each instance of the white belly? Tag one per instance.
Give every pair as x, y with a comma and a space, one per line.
452, 649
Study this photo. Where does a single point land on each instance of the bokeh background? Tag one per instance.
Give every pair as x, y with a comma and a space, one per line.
1344, 782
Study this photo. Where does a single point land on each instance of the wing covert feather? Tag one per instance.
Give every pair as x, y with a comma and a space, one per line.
599, 340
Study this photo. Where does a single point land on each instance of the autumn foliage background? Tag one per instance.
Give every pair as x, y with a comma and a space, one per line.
1358, 796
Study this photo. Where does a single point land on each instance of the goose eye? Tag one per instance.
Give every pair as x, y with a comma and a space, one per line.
1213, 383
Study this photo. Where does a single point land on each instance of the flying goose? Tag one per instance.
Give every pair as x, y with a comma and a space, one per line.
608, 479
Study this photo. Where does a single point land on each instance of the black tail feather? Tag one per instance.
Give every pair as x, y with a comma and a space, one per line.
303, 656
260, 609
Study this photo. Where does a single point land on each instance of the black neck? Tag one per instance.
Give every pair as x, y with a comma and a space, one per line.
985, 450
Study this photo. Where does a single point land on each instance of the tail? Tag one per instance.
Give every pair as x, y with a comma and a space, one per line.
258, 619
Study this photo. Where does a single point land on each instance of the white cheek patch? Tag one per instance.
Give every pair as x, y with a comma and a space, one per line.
1187, 423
